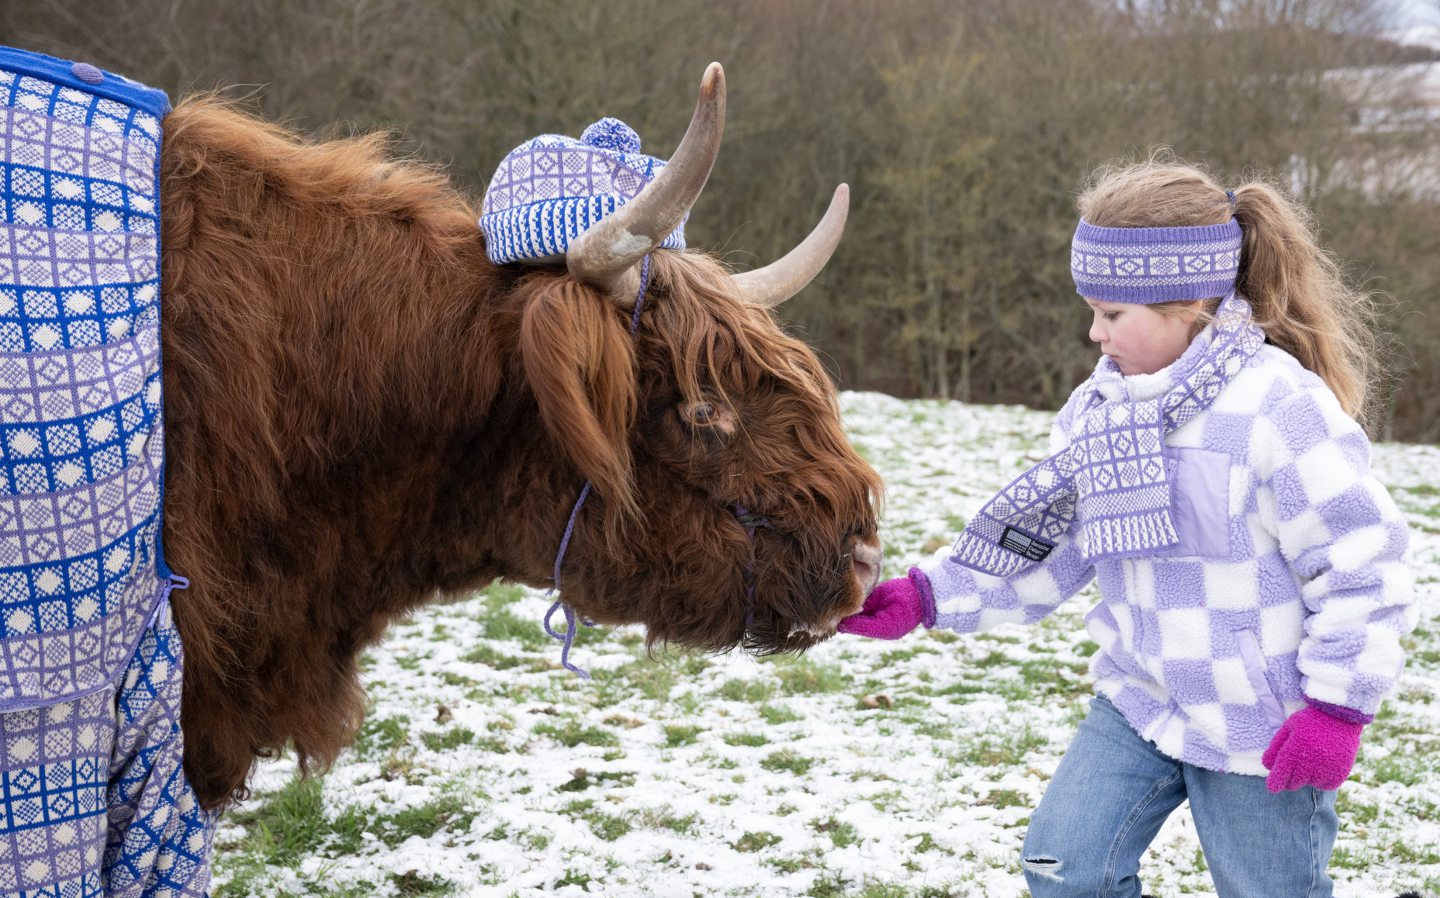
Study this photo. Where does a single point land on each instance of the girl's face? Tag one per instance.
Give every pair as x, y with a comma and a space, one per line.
1140, 339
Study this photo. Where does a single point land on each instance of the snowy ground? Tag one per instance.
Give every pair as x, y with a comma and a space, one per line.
882, 770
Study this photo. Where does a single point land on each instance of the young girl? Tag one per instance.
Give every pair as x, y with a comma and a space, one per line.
1211, 476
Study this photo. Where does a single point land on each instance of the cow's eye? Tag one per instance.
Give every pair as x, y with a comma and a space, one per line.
709, 419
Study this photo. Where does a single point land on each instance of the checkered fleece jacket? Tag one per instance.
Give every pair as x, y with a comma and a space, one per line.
1289, 581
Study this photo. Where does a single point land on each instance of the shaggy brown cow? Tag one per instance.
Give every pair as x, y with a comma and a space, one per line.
365, 415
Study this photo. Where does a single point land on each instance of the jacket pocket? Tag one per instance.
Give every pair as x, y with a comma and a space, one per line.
1200, 502
1254, 660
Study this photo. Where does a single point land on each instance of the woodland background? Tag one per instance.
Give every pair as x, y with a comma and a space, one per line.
965, 130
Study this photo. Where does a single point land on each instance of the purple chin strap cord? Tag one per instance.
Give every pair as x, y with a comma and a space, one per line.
568, 637
747, 519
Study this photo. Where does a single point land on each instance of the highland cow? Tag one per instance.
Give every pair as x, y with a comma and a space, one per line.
365, 414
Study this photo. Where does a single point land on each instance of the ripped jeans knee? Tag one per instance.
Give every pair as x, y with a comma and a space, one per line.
1044, 866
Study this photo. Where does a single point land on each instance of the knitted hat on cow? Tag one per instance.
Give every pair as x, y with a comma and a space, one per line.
551, 188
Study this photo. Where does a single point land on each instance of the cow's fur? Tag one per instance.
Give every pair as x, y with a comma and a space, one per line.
364, 414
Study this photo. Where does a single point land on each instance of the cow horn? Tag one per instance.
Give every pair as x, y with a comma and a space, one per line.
769, 286
605, 255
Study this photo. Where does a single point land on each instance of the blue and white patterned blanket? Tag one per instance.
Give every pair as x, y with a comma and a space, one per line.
93, 799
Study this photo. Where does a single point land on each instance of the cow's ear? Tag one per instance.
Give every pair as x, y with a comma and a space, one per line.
580, 363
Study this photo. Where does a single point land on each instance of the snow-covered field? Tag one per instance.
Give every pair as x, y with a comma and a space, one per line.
882, 770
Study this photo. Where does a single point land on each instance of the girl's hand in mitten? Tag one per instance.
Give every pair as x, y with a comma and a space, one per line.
1313, 748
893, 609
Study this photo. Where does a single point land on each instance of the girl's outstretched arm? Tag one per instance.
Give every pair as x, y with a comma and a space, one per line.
941, 592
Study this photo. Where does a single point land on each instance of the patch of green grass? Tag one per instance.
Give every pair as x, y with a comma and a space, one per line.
621, 720
1351, 811
785, 759
720, 763
1415, 855
677, 734
1406, 768
993, 660
752, 842
571, 878
492, 744
789, 864
1345, 859
749, 691
381, 735
492, 657
896, 656
1420, 489
777, 714
886, 800
651, 680
965, 687
605, 826
505, 625
749, 740
287, 826
665, 818
583, 779
449, 811
450, 678
571, 733
831, 885
411, 884
449, 740
1005, 798
842, 834
1000, 749
806, 677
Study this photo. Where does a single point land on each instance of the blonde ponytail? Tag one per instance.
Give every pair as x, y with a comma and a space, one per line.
1300, 298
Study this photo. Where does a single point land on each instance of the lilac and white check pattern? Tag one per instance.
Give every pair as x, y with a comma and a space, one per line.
551, 188
93, 797
1145, 265
1289, 579
1111, 479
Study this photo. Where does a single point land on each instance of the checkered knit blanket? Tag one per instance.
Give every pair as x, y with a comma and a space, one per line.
1113, 479
92, 797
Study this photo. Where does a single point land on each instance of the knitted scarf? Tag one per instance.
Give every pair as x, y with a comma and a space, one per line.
1111, 480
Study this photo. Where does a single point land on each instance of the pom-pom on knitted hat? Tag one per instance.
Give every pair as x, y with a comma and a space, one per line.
552, 187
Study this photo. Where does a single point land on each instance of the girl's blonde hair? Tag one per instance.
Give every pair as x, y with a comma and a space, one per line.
1296, 288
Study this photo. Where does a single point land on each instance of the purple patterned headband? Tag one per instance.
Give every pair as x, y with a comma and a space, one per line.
1145, 265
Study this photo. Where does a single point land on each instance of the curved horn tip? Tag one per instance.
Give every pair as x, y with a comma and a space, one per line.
713, 80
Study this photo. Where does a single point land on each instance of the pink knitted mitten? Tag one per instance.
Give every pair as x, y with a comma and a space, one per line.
1313, 748
893, 609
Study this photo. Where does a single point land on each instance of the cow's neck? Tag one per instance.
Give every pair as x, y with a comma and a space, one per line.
340, 427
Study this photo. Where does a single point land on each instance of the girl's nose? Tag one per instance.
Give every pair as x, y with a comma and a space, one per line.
1097, 335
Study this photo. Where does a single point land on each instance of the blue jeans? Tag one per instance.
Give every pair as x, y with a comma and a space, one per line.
1113, 790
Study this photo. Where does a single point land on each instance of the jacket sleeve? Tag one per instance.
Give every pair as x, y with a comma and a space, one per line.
968, 601
1344, 539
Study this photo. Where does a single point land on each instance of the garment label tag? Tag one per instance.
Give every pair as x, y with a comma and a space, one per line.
1028, 546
